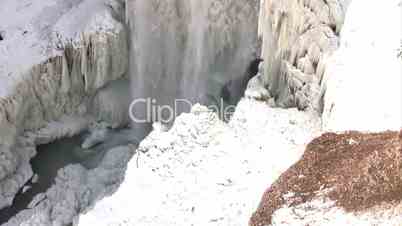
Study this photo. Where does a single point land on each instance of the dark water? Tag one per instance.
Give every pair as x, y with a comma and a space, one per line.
49, 159
54, 156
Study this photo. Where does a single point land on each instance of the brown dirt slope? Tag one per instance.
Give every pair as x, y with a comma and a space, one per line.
361, 171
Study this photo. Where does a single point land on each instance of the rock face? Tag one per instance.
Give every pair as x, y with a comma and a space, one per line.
55, 56
363, 80
297, 36
346, 179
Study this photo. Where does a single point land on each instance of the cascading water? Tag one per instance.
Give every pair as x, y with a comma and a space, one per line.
187, 49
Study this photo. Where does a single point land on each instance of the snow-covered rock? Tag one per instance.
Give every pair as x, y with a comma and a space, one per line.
297, 37
342, 179
363, 79
54, 56
111, 103
204, 171
14, 168
255, 89
97, 136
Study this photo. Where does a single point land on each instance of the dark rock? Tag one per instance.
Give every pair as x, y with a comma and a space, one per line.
233, 90
359, 170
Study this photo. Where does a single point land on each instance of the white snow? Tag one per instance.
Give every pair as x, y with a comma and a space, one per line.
204, 171
19, 51
322, 211
364, 76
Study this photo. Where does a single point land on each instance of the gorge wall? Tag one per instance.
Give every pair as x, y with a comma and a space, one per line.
297, 37
55, 57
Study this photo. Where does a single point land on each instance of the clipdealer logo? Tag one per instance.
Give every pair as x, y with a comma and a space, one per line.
147, 110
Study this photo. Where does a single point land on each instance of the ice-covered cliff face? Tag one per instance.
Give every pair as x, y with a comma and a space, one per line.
297, 37
54, 57
181, 48
363, 78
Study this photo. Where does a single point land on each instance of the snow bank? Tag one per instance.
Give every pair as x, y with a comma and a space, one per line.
204, 171
363, 78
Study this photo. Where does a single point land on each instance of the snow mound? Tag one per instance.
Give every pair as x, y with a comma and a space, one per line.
204, 171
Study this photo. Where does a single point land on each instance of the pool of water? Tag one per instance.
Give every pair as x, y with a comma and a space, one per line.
54, 156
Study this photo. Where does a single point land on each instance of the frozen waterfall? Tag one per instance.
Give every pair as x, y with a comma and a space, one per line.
187, 49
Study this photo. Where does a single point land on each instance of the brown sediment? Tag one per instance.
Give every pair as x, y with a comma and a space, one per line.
361, 171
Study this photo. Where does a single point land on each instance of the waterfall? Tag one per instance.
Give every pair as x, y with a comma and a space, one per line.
188, 48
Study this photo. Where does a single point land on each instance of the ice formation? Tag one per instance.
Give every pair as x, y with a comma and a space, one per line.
55, 55
297, 38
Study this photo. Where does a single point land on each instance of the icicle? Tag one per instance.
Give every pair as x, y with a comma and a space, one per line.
85, 54
65, 76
